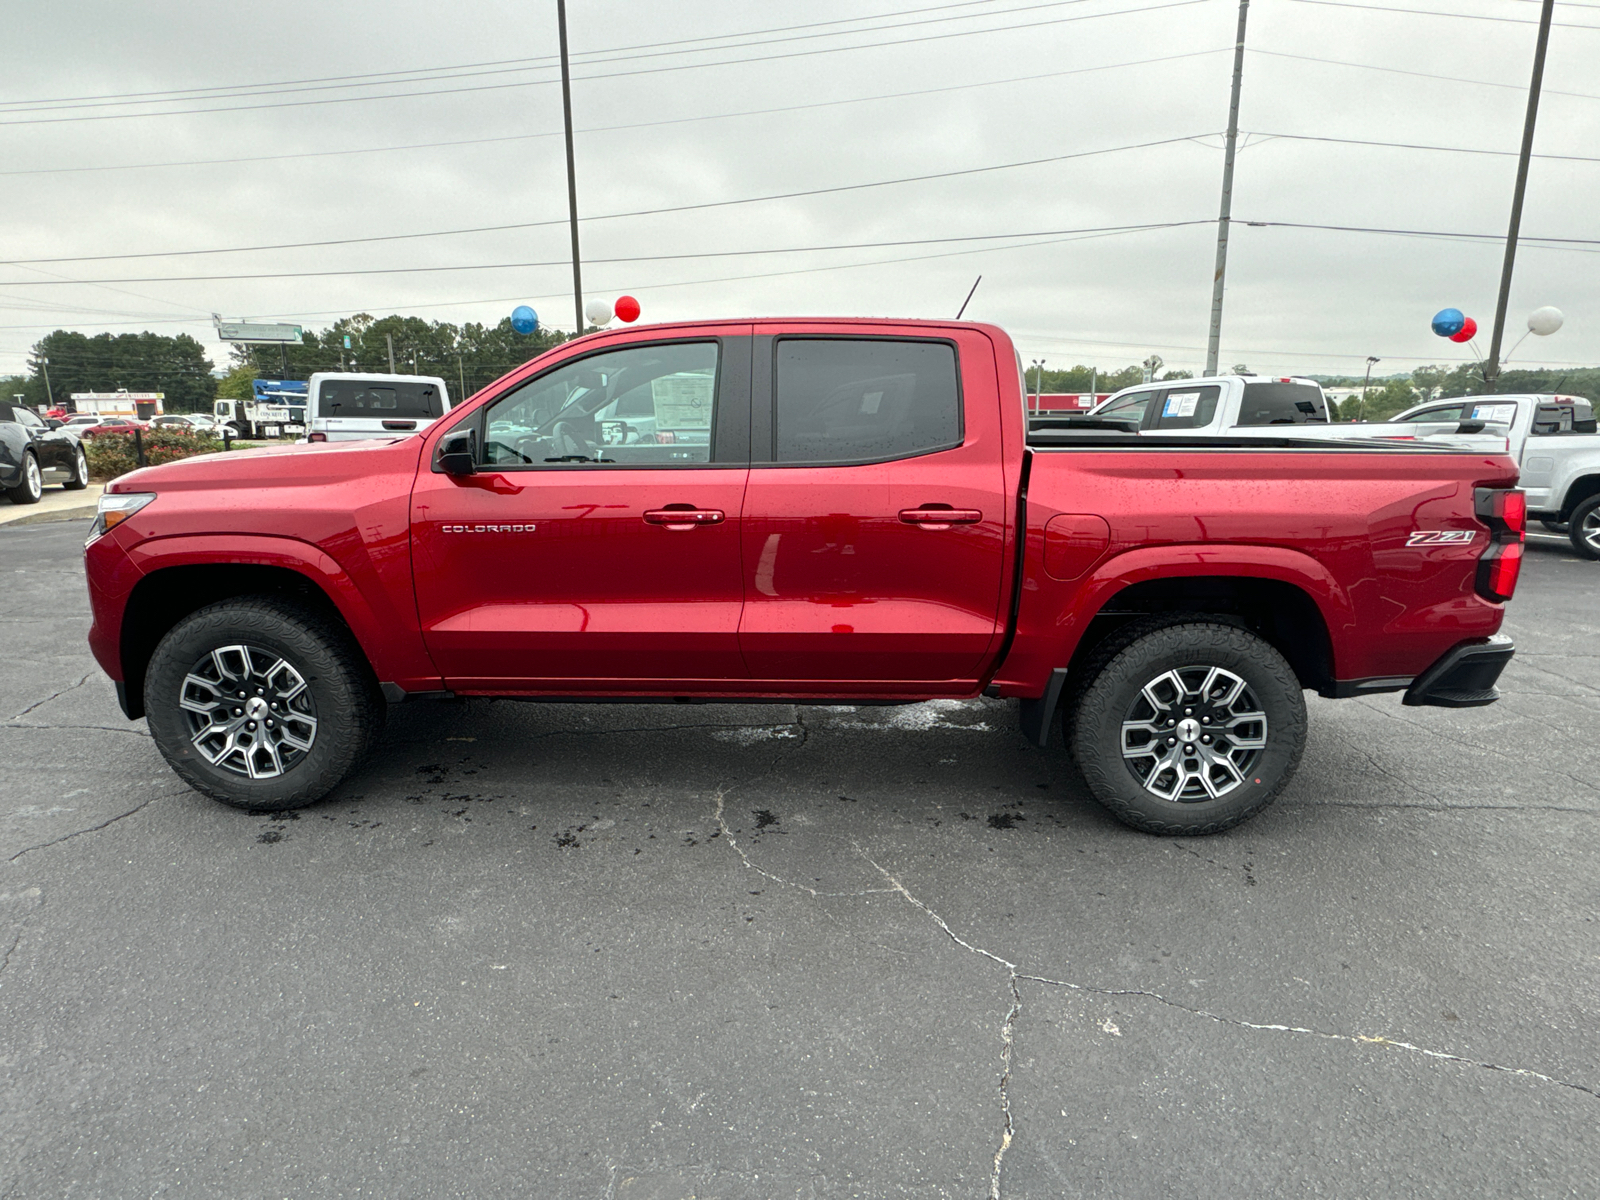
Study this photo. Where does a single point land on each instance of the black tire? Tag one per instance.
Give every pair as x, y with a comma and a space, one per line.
30, 484
80, 472
241, 639
1207, 795
1555, 526
1583, 528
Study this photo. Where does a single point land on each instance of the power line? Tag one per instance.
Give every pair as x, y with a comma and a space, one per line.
1336, 62
1423, 12
1551, 243
753, 112
649, 212
616, 74
476, 70
1307, 137
560, 262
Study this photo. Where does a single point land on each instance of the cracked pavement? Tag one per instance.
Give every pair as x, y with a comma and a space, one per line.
661, 952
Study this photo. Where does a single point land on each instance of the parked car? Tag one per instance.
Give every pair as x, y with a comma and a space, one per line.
105, 425
185, 422
854, 512
33, 455
343, 406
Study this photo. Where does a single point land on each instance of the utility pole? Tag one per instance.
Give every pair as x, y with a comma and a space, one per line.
1361, 409
462, 371
48, 391
1491, 369
389, 337
572, 168
1226, 215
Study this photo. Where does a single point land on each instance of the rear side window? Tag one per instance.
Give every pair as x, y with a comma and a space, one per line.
842, 400
1187, 408
1281, 404
1497, 412
378, 398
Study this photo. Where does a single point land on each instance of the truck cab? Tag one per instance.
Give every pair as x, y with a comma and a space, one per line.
346, 406
1217, 404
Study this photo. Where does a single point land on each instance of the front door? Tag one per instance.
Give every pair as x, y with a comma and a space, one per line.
596, 547
874, 532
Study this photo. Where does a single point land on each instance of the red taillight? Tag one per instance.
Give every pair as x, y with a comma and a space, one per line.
1505, 512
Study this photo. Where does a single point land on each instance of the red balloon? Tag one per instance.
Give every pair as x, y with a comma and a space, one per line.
1468, 329
627, 309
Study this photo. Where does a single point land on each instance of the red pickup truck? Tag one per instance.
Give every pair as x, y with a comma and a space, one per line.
801, 511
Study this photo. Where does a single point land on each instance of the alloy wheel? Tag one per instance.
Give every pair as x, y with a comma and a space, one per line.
249, 711
1589, 531
1193, 734
32, 480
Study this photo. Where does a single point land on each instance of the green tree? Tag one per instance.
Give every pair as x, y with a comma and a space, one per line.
1386, 399
235, 385
139, 362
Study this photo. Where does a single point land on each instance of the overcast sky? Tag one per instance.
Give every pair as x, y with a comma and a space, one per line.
939, 87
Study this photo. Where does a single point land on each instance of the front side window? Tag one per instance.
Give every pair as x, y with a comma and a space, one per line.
1129, 408
1188, 407
375, 398
1447, 412
29, 417
857, 400
644, 405
1281, 404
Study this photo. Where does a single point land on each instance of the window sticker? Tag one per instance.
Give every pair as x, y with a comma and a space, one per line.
1498, 414
682, 401
870, 402
1181, 404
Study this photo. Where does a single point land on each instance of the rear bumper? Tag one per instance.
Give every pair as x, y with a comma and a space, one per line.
1464, 677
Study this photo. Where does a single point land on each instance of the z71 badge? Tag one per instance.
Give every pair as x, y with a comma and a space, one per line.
1441, 537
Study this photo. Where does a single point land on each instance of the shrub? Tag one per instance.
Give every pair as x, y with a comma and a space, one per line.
114, 454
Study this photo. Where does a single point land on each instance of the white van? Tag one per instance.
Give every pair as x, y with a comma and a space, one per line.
342, 407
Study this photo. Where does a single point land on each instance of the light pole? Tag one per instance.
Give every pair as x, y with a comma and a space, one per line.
1361, 408
1038, 382
572, 169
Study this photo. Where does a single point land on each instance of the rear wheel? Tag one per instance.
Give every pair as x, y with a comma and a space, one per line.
1190, 729
80, 472
31, 486
1583, 529
261, 704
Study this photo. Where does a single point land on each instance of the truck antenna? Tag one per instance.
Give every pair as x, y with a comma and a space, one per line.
968, 300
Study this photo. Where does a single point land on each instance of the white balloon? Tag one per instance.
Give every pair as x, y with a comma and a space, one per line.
598, 312
1545, 321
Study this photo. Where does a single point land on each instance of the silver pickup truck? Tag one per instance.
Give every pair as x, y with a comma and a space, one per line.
1552, 437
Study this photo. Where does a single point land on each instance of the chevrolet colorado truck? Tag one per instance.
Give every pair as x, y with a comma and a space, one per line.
801, 511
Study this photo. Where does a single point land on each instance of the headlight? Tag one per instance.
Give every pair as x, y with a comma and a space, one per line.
115, 508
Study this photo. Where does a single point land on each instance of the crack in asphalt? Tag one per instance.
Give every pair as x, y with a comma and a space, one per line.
22, 924
56, 696
140, 807
14, 724
1359, 1039
1379, 804
1475, 745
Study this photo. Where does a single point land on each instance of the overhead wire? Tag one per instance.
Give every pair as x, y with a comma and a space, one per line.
1425, 12
1308, 137
1167, 4
1364, 66
755, 112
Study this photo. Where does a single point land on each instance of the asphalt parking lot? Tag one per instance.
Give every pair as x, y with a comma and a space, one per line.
652, 953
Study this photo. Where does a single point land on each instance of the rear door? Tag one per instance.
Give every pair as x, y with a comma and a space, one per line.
875, 516
597, 546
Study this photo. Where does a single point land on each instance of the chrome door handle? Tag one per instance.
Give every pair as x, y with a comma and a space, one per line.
684, 518
940, 518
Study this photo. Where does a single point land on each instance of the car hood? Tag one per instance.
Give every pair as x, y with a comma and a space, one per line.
295, 465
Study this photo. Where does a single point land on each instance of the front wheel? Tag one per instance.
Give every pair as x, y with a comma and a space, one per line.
31, 487
1583, 529
1190, 729
261, 704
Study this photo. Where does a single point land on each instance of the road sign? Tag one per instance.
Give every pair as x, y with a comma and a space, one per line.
249, 331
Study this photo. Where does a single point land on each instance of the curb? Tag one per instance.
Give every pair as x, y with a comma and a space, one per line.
60, 514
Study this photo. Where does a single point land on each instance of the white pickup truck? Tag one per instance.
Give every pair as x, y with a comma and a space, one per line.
1553, 437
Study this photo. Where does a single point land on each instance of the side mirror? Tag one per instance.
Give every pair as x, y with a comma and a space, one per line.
457, 454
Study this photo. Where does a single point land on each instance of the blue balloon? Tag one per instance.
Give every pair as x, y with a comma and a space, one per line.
525, 320
1448, 321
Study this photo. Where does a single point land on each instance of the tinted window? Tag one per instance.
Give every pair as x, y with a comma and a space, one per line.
645, 405
847, 400
29, 417
1547, 418
1281, 404
1440, 413
1130, 408
1187, 407
5, 413
375, 398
